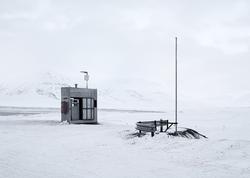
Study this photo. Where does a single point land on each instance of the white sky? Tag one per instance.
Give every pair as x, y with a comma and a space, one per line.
130, 40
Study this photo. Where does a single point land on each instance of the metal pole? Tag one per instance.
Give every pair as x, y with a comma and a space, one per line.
175, 84
86, 77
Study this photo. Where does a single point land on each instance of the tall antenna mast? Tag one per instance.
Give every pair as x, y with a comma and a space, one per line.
175, 84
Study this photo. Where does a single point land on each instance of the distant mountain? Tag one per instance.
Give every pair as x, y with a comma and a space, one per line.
45, 92
132, 94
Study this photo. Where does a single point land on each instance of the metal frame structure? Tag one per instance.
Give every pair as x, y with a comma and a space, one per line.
151, 126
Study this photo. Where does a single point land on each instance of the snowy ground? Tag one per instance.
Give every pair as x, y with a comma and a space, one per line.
38, 145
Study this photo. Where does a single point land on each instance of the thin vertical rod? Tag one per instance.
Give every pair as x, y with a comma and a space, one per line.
175, 84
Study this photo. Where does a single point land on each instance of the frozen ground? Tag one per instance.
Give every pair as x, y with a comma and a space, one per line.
33, 143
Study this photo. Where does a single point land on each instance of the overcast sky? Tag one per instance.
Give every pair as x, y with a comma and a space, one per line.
130, 40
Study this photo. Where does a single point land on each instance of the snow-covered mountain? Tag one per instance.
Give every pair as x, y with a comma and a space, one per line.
138, 94
44, 92
123, 94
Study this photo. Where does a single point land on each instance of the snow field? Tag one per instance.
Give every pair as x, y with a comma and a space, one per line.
41, 146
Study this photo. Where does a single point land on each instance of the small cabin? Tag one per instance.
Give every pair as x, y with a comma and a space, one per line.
79, 105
